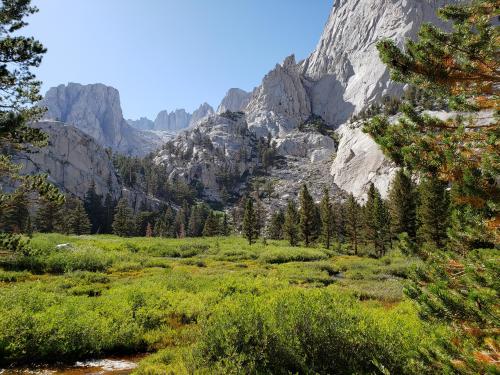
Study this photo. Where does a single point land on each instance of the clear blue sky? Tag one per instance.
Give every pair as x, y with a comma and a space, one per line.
167, 54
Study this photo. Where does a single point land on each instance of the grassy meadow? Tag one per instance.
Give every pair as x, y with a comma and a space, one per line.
209, 306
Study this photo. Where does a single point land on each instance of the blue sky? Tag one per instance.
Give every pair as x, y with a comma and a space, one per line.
168, 54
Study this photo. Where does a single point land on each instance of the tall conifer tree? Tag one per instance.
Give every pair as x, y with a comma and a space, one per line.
402, 205
47, 215
307, 216
94, 208
250, 226
275, 230
211, 227
353, 222
327, 223
291, 225
78, 220
433, 212
461, 66
123, 222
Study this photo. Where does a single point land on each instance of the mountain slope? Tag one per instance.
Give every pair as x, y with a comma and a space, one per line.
344, 71
95, 109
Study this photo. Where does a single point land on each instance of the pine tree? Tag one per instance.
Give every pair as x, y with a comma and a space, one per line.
369, 224
15, 213
196, 223
142, 219
20, 93
47, 216
108, 214
181, 222
211, 227
260, 216
165, 224
94, 208
457, 283
327, 222
433, 213
307, 216
250, 226
275, 230
291, 225
123, 222
339, 223
460, 67
78, 220
402, 205
383, 225
353, 222
225, 230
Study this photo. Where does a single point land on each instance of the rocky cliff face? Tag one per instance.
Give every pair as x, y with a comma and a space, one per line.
235, 100
73, 161
173, 121
204, 111
345, 73
341, 77
95, 109
216, 155
180, 119
281, 102
142, 124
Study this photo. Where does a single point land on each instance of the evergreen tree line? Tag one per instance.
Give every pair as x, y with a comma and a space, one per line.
412, 215
94, 215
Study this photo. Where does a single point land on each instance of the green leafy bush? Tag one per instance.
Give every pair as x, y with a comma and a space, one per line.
285, 255
310, 332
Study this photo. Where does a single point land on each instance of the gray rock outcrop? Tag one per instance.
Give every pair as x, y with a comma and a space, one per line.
95, 109
235, 100
172, 121
345, 71
280, 103
142, 124
204, 111
74, 161
217, 155
180, 119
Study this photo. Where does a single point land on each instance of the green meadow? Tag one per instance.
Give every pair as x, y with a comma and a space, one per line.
209, 306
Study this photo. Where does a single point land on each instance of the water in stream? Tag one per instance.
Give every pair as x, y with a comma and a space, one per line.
112, 366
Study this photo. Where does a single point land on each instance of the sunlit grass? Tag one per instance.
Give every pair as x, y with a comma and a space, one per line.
103, 295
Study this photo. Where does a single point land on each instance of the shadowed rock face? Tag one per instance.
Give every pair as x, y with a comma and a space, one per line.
346, 55
95, 110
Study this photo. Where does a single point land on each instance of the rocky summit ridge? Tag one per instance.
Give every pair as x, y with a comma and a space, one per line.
341, 77
300, 111
95, 109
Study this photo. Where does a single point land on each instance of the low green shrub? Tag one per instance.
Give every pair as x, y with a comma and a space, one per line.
13, 276
58, 262
314, 332
292, 254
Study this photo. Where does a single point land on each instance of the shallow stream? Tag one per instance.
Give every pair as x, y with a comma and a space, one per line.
110, 366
